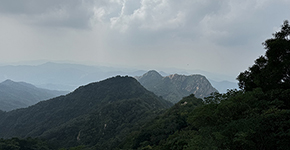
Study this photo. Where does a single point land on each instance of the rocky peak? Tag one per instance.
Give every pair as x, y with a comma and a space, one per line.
152, 73
149, 78
174, 87
7, 82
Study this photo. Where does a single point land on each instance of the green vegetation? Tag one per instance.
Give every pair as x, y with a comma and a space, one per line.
165, 126
97, 115
272, 70
242, 120
23, 144
16, 95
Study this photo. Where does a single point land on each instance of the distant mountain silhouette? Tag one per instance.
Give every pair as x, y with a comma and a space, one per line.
174, 87
15, 95
94, 114
67, 76
61, 76
223, 86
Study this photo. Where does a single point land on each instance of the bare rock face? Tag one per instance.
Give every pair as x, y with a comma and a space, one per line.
174, 87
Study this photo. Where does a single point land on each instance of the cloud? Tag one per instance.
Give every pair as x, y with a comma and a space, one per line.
226, 34
52, 13
162, 15
219, 21
242, 22
151, 15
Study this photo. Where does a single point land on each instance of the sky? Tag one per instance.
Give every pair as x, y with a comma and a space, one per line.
222, 37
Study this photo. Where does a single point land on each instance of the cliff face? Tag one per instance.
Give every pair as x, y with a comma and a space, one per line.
174, 87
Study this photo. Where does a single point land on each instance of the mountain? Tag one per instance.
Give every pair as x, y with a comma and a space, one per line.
98, 115
68, 76
223, 86
155, 132
15, 95
174, 87
150, 79
61, 76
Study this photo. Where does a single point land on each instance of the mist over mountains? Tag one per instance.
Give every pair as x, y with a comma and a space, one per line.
224, 86
67, 76
15, 95
59, 76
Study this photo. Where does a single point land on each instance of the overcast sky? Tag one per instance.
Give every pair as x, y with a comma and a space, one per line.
223, 36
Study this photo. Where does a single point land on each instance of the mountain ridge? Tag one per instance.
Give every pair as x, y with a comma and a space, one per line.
21, 94
67, 76
110, 106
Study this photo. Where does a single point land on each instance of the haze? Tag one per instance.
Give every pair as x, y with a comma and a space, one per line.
223, 37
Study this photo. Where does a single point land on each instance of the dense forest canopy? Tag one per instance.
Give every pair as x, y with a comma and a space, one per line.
271, 71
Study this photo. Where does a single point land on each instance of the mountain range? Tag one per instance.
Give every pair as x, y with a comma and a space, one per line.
68, 76
15, 95
224, 86
119, 113
174, 87
61, 76
99, 114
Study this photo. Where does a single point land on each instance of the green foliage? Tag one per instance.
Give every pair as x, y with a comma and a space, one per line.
98, 115
23, 144
242, 121
167, 130
20, 94
271, 71
235, 120
80, 147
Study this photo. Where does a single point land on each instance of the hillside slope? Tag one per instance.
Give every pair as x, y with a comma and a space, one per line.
156, 131
98, 115
15, 95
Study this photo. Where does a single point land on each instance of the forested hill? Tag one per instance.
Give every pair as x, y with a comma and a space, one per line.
15, 95
99, 114
174, 87
167, 126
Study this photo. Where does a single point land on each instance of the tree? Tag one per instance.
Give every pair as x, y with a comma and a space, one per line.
271, 71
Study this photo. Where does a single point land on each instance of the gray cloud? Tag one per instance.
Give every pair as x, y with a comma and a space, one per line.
223, 22
223, 36
65, 13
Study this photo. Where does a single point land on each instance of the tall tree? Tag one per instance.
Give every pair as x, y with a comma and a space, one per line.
271, 71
